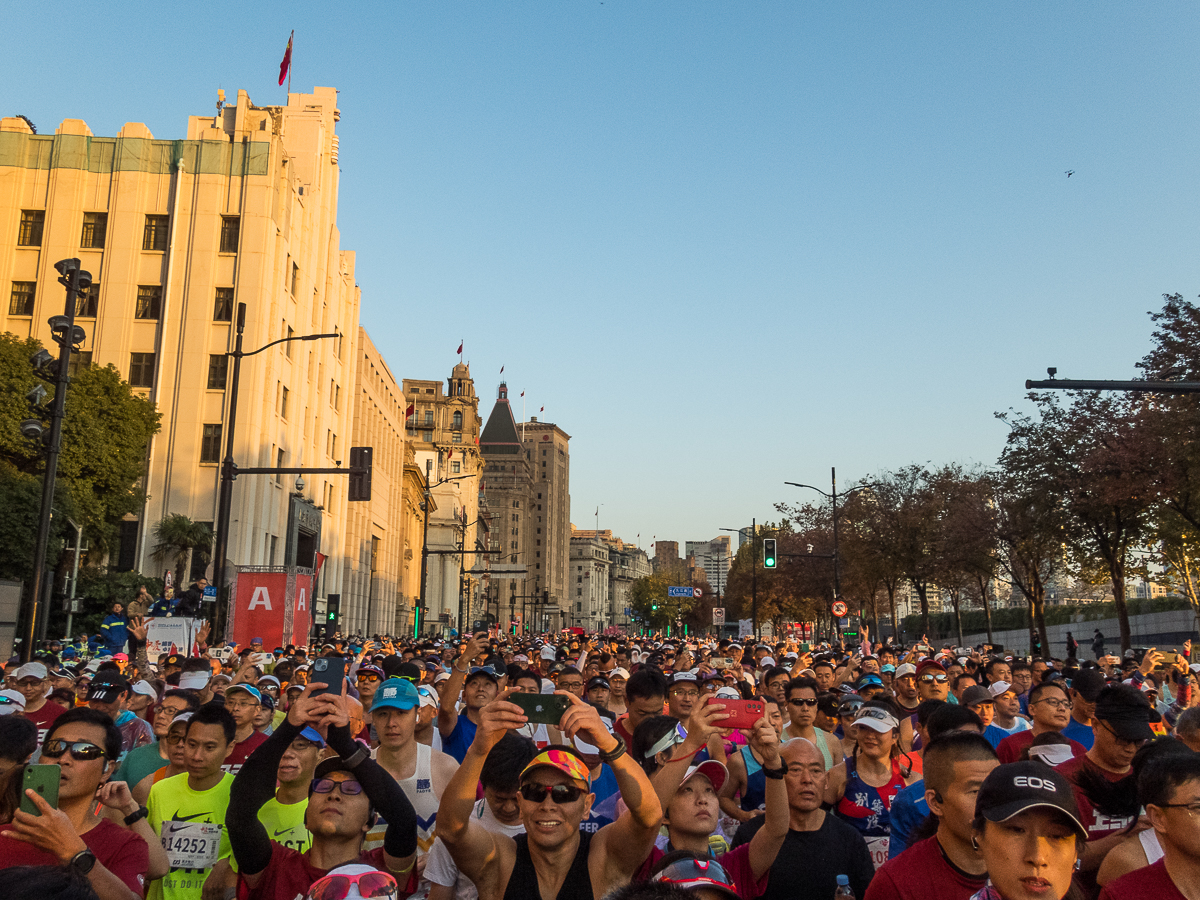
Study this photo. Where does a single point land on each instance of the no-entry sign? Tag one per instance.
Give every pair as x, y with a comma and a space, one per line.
839, 608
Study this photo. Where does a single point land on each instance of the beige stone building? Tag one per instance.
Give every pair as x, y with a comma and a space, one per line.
547, 448
177, 234
383, 544
444, 432
621, 564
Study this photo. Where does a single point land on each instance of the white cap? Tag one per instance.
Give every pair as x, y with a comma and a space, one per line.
728, 693
11, 702
440, 677
619, 672
428, 696
31, 670
905, 669
996, 688
145, 688
548, 652
767, 662
194, 681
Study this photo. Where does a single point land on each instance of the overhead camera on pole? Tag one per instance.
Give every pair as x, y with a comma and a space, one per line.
68, 336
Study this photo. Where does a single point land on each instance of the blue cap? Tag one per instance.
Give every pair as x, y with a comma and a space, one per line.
249, 689
871, 679
396, 693
311, 734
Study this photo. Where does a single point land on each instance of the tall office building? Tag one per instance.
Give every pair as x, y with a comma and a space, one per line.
177, 234
547, 447
714, 557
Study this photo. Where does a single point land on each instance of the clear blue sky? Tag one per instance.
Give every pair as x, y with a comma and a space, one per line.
726, 245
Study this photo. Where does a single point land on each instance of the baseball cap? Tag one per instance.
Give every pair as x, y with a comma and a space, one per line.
714, 771
11, 703
683, 676
105, 691
173, 660
905, 669
619, 672
766, 662
1089, 683
396, 693
31, 670
876, 719
974, 695
268, 702
486, 671
997, 688
685, 871
371, 670
926, 664
869, 680
429, 696
249, 689
270, 678
597, 681
1127, 712
1011, 789
311, 734
145, 688
888, 667
566, 762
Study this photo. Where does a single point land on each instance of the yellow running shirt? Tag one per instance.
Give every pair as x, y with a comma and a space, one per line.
191, 825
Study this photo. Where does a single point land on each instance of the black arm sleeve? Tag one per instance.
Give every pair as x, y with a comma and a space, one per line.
386, 796
253, 786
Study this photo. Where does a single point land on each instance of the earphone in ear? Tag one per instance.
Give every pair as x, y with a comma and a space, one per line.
938, 797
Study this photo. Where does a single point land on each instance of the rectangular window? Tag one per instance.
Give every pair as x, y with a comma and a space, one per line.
335, 394
218, 370
283, 402
80, 359
141, 370
94, 226
86, 304
230, 226
20, 302
457, 437
429, 417
295, 278
278, 475
149, 302
155, 235
428, 436
271, 562
287, 348
210, 444
455, 468
32, 223
223, 305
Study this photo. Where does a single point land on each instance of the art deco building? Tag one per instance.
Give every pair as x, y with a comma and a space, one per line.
177, 234
547, 449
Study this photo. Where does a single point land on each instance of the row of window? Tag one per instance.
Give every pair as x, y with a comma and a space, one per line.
95, 229
148, 305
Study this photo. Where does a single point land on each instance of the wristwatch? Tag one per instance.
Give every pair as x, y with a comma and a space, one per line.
774, 773
140, 813
83, 861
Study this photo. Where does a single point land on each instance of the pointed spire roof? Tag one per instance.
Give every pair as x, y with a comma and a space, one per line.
501, 427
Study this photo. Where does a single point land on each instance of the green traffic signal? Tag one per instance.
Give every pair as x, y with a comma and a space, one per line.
332, 615
769, 553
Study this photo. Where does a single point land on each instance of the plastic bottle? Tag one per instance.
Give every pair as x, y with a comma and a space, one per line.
844, 891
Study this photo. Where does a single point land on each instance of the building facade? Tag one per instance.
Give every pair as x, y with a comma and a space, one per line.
589, 605
547, 448
626, 564
177, 234
714, 557
444, 428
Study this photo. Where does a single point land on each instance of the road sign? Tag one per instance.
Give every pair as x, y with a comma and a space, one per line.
839, 608
685, 591
697, 593
718, 615
210, 593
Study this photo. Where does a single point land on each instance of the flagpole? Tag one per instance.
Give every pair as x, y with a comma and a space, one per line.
291, 43
522, 417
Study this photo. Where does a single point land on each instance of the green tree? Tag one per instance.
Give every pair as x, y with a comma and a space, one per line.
179, 538
650, 602
106, 431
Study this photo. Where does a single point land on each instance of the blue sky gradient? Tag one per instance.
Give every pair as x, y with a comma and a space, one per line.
725, 244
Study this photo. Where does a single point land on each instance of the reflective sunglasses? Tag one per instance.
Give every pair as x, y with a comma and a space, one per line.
940, 679
371, 885
83, 751
559, 793
803, 701
349, 787
848, 709
693, 873
367, 676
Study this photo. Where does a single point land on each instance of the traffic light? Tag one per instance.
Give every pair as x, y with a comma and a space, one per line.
332, 604
769, 557
360, 482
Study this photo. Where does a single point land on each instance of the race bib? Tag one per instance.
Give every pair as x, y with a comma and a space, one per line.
878, 848
191, 845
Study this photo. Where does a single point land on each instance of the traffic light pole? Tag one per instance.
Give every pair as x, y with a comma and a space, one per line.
76, 282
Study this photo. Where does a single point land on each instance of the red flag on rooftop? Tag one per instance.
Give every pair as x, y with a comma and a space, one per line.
459, 350
286, 65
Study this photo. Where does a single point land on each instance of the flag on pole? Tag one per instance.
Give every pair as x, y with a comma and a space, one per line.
286, 65
459, 350
502, 370
522, 393
412, 408
542, 410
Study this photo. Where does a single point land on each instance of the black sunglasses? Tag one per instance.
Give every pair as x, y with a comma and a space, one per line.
803, 701
559, 793
84, 751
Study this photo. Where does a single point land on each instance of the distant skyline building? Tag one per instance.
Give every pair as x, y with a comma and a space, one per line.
626, 564
547, 448
714, 557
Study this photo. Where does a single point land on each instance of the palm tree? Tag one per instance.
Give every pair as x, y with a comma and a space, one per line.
179, 537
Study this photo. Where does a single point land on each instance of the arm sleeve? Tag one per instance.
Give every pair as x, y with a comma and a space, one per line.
385, 793
253, 786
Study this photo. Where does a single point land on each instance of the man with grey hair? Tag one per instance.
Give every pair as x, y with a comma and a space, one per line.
819, 847
1187, 728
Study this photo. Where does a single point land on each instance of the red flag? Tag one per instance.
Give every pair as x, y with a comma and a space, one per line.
459, 350
522, 393
502, 370
542, 410
412, 407
287, 59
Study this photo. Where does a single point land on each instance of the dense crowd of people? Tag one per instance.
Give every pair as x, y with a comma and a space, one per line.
573, 767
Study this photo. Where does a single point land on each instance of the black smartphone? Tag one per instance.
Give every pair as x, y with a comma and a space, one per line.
543, 709
44, 780
330, 671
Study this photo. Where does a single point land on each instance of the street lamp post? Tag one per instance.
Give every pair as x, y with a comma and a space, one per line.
753, 571
228, 467
833, 498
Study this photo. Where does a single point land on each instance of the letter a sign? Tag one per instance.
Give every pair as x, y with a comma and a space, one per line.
261, 598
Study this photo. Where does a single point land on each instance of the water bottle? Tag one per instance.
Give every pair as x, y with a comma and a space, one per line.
844, 891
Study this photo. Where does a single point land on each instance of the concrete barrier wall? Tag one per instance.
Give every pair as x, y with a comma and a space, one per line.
1165, 630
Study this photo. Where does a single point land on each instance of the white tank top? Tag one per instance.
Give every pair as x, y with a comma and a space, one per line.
419, 789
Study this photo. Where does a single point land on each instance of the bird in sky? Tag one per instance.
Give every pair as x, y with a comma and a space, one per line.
1070, 172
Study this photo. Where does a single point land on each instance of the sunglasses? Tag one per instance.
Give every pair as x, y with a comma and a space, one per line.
803, 701
559, 793
79, 750
848, 709
940, 679
349, 787
371, 886
369, 676
688, 873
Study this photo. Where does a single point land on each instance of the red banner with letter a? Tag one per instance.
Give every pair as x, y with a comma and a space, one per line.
273, 605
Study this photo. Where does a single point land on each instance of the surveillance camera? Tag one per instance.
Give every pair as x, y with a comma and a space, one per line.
66, 265
41, 359
35, 397
84, 280
1051, 371
32, 429
299, 484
